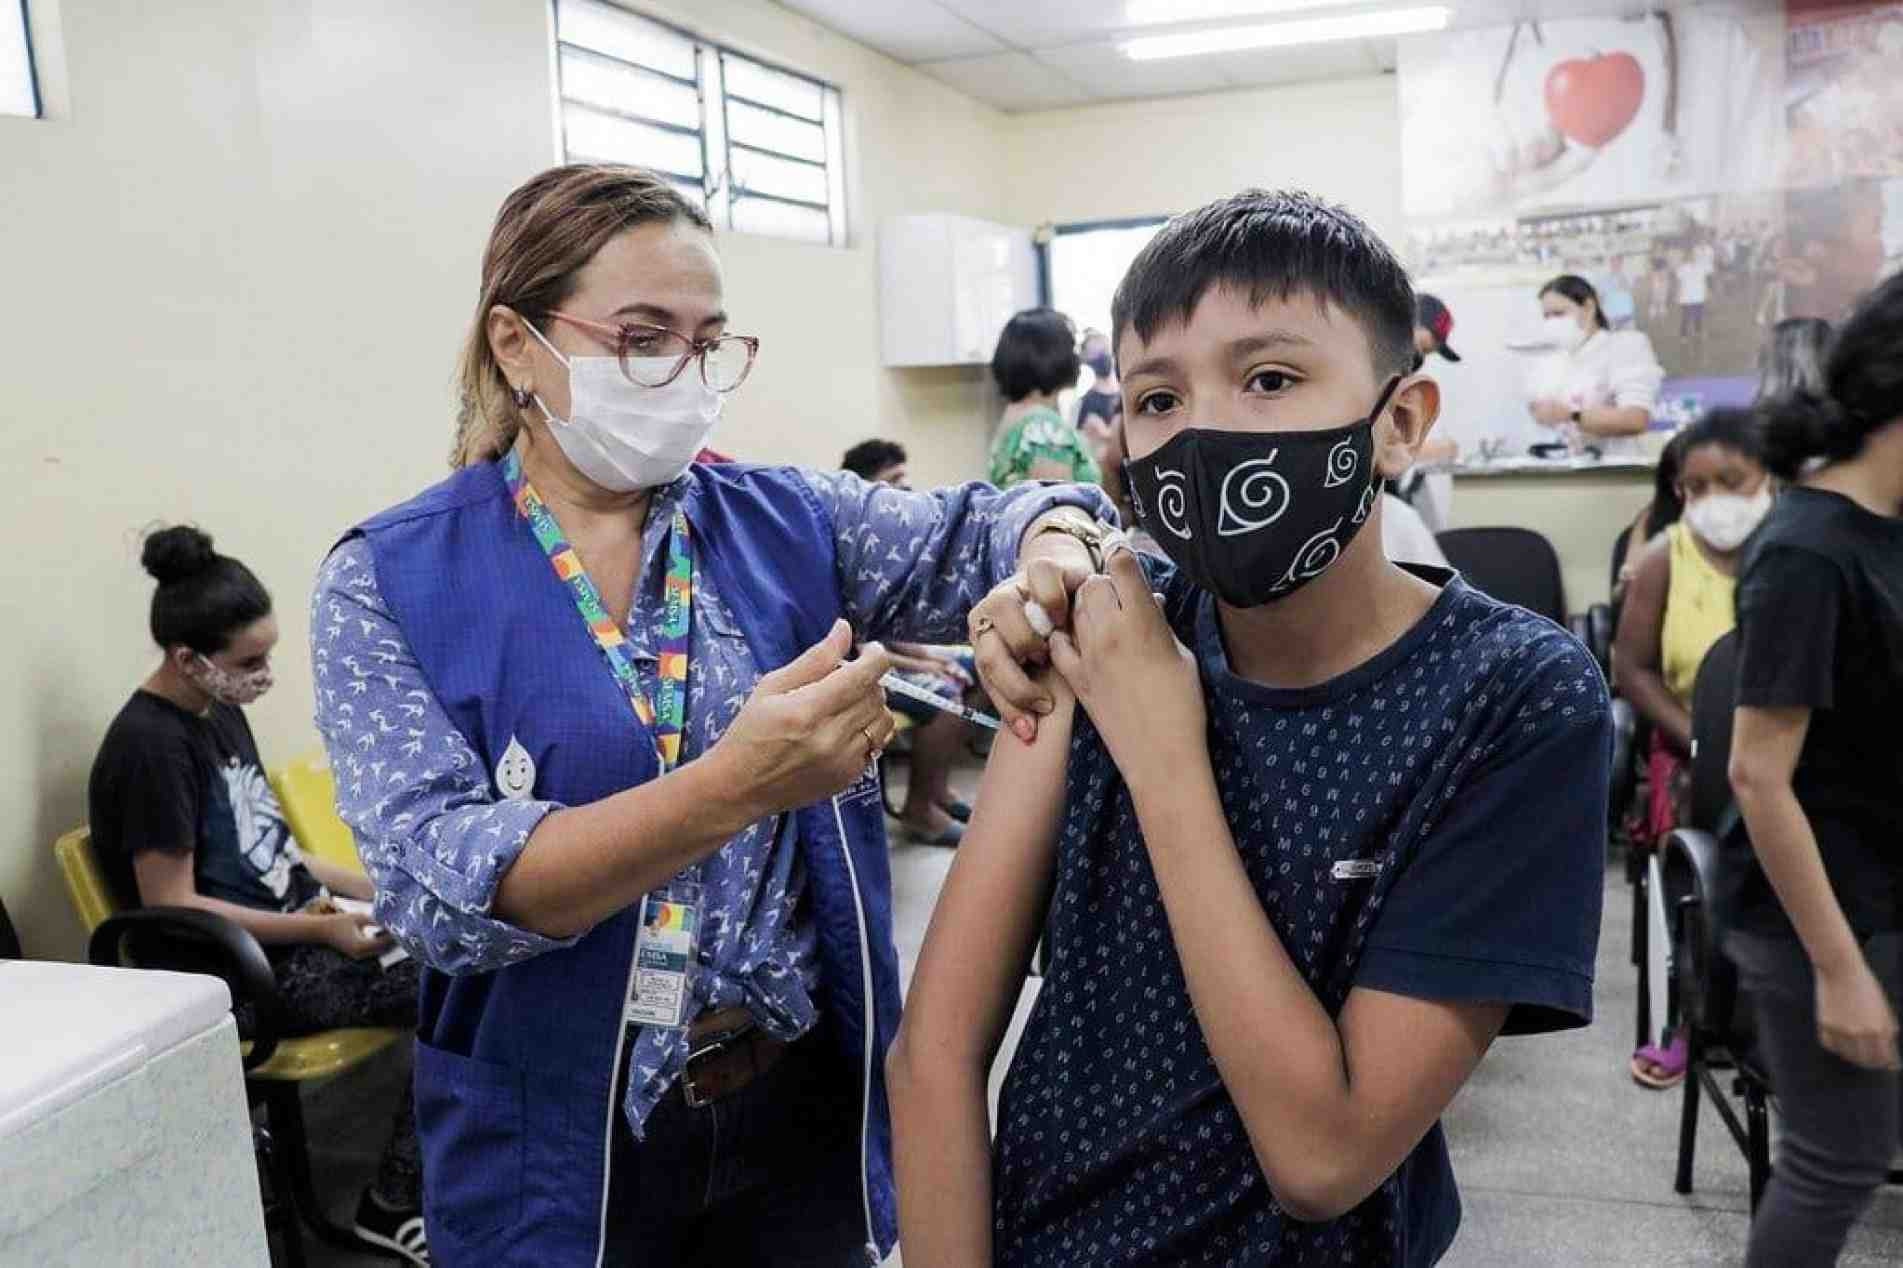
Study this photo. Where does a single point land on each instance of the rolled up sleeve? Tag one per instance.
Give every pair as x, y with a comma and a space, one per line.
1635, 376
912, 564
434, 839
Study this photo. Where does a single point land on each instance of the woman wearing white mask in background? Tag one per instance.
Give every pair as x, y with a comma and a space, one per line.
1599, 386
595, 729
1680, 601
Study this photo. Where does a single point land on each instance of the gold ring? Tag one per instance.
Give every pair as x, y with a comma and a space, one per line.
872, 745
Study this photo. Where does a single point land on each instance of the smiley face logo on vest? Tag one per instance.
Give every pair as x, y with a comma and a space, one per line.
515, 773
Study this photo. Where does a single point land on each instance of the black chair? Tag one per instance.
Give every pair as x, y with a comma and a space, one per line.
1716, 1021
1514, 565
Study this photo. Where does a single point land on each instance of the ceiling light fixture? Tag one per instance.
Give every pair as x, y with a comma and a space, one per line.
1160, 12
1237, 39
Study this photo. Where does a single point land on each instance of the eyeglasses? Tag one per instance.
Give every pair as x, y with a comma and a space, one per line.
654, 356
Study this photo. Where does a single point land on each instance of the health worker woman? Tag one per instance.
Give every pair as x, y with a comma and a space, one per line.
596, 728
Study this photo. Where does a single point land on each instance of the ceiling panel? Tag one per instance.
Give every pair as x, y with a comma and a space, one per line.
909, 30
1038, 24
1106, 73
1009, 81
1343, 59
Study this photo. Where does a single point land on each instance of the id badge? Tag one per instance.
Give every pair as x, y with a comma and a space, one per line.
664, 952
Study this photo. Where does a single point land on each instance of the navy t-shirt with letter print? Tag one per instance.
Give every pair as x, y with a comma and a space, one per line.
1432, 824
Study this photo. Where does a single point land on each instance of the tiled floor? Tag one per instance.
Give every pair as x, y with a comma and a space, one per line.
1562, 1160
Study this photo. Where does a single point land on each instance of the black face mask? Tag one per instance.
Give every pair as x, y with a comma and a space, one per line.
1099, 365
1253, 516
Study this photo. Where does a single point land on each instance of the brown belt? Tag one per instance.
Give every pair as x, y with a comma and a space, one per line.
726, 1051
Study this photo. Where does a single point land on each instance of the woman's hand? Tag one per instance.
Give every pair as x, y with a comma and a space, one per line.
810, 728
1854, 1017
1550, 412
350, 933
1140, 685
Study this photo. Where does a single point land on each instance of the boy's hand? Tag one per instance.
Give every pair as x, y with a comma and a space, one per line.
1138, 683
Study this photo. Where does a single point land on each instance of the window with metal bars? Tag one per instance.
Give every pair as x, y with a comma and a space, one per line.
759, 146
19, 86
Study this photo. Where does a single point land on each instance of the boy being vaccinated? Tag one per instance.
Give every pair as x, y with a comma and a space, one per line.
1306, 830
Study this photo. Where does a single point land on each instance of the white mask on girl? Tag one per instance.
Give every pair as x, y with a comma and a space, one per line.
624, 436
224, 686
1724, 520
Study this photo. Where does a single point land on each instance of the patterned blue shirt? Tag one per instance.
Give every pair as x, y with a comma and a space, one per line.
436, 838
1430, 824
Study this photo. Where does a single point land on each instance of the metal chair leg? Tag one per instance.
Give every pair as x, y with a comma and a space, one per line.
286, 1113
1641, 956
280, 1213
1757, 1119
1688, 1115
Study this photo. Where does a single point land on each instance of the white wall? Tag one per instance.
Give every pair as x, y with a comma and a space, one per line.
1339, 139
238, 263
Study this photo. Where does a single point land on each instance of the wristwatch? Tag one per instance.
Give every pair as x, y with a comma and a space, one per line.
1087, 531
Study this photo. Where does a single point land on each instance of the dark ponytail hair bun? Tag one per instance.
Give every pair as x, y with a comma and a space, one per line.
203, 598
176, 554
1800, 426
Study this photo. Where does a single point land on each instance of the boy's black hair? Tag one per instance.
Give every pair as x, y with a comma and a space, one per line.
869, 457
1273, 244
1736, 428
1037, 352
203, 598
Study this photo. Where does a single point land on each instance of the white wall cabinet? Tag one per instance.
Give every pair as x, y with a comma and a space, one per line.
947, 285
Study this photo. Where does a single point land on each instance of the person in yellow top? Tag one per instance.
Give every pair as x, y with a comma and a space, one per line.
1679, 602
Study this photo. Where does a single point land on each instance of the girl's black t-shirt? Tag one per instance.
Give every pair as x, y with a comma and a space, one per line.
1820, 627
166, 779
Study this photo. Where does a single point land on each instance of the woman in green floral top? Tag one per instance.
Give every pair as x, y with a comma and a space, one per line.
1035, 360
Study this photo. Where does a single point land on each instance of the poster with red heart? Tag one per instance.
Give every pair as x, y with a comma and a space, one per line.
1590, 113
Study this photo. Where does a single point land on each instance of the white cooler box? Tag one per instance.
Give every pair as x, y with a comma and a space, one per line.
124, 1135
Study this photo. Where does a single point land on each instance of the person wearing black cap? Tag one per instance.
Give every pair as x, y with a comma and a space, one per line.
1428, 491
1432, 324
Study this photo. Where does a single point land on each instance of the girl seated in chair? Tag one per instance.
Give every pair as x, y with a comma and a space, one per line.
182, 817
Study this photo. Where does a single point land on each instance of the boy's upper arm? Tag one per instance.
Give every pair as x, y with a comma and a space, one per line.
1500, 902
986, 922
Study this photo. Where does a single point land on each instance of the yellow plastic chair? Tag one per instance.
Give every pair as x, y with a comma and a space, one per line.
276, 1067
307, 793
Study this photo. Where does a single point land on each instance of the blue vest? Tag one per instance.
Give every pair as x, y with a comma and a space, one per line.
515, 1069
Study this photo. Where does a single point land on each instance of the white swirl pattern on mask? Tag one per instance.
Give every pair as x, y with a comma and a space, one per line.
1367, 502
1342, 463
1262, 493
1312, 559
1172, 503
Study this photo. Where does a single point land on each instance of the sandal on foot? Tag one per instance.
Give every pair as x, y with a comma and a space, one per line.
1661, 1068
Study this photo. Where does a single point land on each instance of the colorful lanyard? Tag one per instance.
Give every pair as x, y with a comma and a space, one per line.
667, 714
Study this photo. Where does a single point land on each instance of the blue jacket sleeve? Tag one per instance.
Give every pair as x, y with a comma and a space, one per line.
431, 833
912, 565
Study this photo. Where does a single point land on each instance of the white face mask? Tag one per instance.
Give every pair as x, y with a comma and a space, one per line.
1725, 520
223, 685
1562, 333
624, 436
